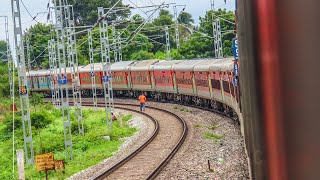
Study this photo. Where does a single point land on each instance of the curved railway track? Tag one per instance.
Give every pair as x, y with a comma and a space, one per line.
148, 160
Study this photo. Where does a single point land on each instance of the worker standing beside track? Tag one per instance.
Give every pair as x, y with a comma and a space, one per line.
142, 100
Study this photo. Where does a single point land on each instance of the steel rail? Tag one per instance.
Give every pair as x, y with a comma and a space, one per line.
165, 161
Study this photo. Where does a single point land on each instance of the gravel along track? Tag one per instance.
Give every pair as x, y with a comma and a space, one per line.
144, 164
226, 155
145, 127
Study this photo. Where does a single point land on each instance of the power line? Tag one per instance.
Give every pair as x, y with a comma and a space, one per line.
33, 17
139, 8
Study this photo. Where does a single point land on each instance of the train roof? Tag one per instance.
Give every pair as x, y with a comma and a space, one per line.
166, 65
222, 65
143, 65
205, 65
68, 69
87, 68
227, 65
121, 66
186, 65
41, 72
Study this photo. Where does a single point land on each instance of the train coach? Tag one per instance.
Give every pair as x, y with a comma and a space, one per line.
165, 80
39, 80
141, 77
121, 80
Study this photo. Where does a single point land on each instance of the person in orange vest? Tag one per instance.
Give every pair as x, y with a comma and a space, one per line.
142, 99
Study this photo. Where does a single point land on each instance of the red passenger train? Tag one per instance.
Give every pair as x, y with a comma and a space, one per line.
206, 82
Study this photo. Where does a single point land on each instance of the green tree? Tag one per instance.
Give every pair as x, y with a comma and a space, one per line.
197, 46
4, 81
86, 11
185, 18
139, 47
3, 51
141, 55
139, 43
165, 18
227, 27
83, 50
175, 54
156, 30
160, 55
36, 99
38, 35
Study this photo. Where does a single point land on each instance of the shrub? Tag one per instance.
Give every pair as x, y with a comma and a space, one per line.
82, 145
75, 127
36, 99
9, 123
40, 119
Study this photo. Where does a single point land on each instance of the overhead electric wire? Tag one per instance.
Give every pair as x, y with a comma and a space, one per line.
39, 55
141, 26
139, 8
104, 16
33, 17
153, 40
204, 34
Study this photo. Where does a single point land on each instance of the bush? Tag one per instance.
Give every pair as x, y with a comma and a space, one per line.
36, 99
82, 145
56, 113
49, 106
75, 127
9, 123
40, 120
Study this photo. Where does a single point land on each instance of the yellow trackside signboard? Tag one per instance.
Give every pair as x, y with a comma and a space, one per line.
45, 162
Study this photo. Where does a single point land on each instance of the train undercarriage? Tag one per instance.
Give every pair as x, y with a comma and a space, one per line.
167, 97
163, 97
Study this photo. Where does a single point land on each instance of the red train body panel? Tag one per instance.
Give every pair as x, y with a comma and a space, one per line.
163, 78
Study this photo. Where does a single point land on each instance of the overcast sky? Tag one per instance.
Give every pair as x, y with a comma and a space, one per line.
195, 7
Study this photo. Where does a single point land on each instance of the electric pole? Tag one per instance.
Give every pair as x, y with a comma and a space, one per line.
73, 64
168, 42
218, 49
62, 76
114, 42
120, 47
23, 85
106, 64
176, 26
28, 53
92, 73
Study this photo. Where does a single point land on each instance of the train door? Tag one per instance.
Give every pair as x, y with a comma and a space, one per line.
194, 83
174, 81
38, 81
216, 86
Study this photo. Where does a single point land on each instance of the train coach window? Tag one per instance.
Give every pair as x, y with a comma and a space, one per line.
215, 84
163, 79
118, 79
184, 81
203, 83
226, 86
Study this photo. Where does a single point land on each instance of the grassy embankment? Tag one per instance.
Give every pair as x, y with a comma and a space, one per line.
48, 137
